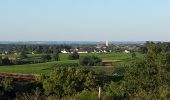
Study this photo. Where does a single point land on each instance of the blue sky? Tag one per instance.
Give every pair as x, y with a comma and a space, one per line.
94, 20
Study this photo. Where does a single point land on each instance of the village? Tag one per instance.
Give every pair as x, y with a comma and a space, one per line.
101, 48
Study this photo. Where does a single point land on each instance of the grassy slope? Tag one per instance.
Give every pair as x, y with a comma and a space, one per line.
28, 68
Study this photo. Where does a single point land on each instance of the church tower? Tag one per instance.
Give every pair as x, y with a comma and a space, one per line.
107, 43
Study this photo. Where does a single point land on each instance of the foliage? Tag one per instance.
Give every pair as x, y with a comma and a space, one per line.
0, 60
86, 95
56, 56
68, 81
115, 91
5, 86
23, 55
90, 61
46, 57
145, 78
73, 56
35, 95
143, 50
133, 55
6, 61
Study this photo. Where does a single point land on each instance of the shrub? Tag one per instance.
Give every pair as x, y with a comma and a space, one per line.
23, 55
6, 61
90, 61
5, 88
115, 91
86, 95
67, 81
56, 56
46, 57
73, 56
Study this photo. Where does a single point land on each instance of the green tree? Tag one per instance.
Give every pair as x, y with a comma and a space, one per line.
86, 95
133, 55
6, 61
74, 56
90, 61
5, 87
145, 78
115, 91
143, 50
56, 56
23, 55
68, 81
0, 60
46, 57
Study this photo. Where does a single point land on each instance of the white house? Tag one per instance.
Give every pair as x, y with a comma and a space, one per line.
82, 51
32, 53
64, 51
126, 51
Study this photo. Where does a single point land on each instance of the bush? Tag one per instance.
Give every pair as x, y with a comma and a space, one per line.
90, 61
46, 57
56, 56
67, 81
86, 95
115, 92
6, 87
6, 61
23, 55
73, 56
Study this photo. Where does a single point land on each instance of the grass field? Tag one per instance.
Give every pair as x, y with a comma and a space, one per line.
116, 58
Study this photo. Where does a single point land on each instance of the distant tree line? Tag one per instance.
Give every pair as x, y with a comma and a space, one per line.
17, 48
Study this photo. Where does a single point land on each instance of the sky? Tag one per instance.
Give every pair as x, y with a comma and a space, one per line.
84, 20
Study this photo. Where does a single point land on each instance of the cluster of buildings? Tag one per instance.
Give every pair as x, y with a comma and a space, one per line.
101, 48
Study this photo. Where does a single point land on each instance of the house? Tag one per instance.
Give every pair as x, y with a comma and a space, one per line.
3, 54
104, 51
126, 51
6, 52
65, 51
82, 51
101, 46
32, 53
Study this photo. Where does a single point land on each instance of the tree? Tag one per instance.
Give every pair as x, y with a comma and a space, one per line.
56, 56
68, 81
74, 56
86, 95
143, 50
146, 78
90, 61
133, 55
5, 87
46, 57
6, 61
23, 55
0, 60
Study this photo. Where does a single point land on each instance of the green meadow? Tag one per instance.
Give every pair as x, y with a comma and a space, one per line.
116, 58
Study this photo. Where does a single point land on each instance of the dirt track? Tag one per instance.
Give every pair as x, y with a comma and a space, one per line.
18, 77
